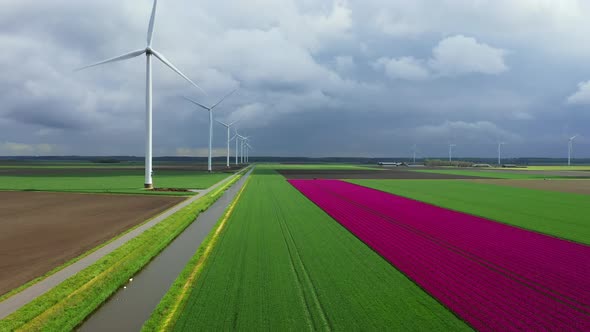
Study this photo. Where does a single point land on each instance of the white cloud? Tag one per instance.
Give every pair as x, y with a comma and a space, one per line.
23, 149
458, 55
406, 68
582, 96
397, 25
467, 132
200, 152
344, 63
453, 56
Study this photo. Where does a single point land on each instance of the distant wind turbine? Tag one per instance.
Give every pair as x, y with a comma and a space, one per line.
500, 152
451, 146
570, 149
248, 147
148, 51
210, 110
228, 126
237, 138
242, 146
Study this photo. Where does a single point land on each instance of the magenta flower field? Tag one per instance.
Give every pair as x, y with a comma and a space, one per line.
494, 276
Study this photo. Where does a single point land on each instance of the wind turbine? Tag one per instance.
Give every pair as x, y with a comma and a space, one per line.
414, 153
237, 138
500, 153
228, 126
244, 142
248, 147
148, 51
570, 149
210, 110
451, 146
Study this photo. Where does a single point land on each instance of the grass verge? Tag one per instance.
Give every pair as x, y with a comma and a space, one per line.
172, 304
65, 306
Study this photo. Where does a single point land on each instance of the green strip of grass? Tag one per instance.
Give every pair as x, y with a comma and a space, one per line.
116, 182
283, 264
489, 174
564, 215
68, 304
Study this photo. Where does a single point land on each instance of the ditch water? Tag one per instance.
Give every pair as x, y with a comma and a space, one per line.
132, 305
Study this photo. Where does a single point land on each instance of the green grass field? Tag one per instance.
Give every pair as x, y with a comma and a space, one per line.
553, 168
283, 264
118, 181
563, 215
490, 174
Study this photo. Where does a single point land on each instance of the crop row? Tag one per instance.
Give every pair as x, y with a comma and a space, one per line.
494, 276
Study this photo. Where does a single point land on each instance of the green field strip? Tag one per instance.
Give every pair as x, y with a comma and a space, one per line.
490, 174
283, 264
116, 182
563, 215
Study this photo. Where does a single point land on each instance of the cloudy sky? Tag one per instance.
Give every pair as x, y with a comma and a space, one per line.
317, 77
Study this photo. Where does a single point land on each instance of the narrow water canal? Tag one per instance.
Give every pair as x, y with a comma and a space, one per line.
131, 306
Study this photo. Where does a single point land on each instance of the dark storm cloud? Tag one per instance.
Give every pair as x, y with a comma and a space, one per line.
317, 78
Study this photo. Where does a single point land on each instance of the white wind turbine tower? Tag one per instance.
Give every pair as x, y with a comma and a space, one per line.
500, 153
242, 146
451, 146
237, 138
228, 126
570, 149
148, 51
248, 148
210, 110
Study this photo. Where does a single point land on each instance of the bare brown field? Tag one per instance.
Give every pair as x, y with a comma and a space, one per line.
566, 186
40, 231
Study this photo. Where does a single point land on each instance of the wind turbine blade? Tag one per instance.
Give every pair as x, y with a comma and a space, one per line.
171, 66
222, 99
152, 22
222, 123
198, 104
233, 123
115, 59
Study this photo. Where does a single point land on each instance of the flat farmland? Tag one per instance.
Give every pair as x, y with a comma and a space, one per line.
560, 214
40, 231
579, 186
283, 264
107, 180
513, 280
397, 173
